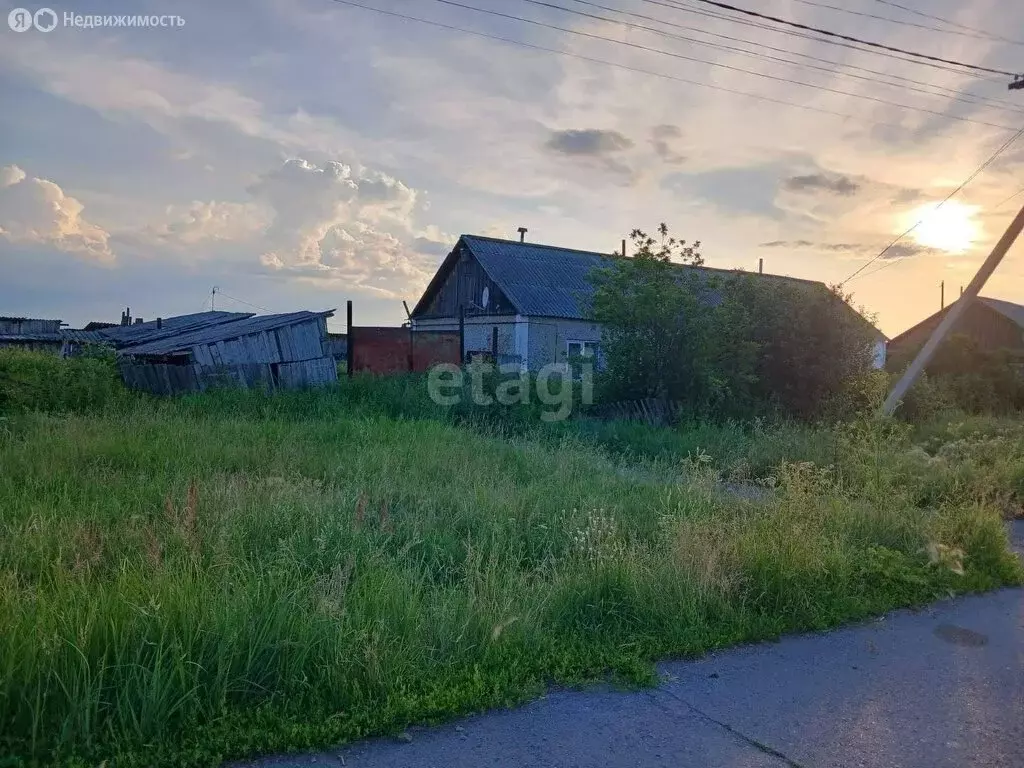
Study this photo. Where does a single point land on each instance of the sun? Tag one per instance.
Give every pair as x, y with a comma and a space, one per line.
951, 228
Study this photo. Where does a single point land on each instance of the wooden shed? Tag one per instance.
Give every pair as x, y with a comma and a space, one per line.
287, 351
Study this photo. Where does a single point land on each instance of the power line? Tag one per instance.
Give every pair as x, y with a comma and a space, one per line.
984, 32
240, 301
968, 180
614, 65
1004, 202
850, 38
902, 22
649, 49
995, 209
675, 5
943, 92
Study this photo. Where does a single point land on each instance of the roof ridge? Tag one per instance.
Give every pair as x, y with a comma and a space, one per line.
536, 245
617, 255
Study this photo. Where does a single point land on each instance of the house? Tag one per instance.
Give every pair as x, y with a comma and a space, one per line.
527, 302
192, 353
40, 335
993, 324
31, 333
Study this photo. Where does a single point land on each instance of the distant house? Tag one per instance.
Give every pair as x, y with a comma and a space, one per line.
31, 333
993, 324
40, 335
527, 302
192, 353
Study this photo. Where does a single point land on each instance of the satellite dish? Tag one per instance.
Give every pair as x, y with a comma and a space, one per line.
486, 297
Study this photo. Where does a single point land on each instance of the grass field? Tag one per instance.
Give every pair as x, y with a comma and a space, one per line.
183, 582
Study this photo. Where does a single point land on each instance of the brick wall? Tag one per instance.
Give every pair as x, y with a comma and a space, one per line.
384, 350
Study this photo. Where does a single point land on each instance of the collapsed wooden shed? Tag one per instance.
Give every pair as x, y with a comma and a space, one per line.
286, 351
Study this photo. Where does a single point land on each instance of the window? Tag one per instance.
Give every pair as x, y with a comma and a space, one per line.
574, 349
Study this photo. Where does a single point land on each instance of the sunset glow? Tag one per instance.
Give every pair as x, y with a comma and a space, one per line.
951, 228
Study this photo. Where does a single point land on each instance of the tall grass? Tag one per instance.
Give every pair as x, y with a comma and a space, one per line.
33, 381
191, 580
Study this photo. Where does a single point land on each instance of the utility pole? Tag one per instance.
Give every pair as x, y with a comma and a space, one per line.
955, 311
213, 298
942, 295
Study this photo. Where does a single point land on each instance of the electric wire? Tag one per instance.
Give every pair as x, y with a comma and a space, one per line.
861, 41
616, 65
850, 38
902, 22
922, 14
683, 57
739, 20
977, 171
940, 91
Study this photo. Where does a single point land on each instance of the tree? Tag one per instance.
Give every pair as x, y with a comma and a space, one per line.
661, 339
723, 344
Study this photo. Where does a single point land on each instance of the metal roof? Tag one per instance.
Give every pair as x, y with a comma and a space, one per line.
1014, 312
83, 337
548, 281
539, 279
181, 342
140, 333
26, 337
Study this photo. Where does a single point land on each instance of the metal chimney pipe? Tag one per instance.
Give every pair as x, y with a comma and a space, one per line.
522, 234
760, 266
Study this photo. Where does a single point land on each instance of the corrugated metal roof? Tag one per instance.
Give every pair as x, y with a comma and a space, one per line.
64, 334
83, 337
181, 342
1014, 312
125, 335
26, 337
549, 281
538, 279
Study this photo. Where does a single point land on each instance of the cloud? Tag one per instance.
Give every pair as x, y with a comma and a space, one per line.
906, 250
587, 141
836, 184
10, 175
343, 223
37, 212
834, 247
662, 137
209, 221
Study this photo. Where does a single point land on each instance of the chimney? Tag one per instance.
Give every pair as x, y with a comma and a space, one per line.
138, 321
942, 295
623, 246
760, 266
159, 323
522, 234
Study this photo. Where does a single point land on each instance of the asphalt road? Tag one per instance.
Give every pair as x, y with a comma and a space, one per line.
935, 688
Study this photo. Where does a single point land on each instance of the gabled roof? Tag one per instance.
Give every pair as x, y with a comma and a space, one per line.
538, 279
181, 342
1007, 309
549, 281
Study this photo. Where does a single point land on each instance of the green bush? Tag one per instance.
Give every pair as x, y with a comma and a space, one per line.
36, 381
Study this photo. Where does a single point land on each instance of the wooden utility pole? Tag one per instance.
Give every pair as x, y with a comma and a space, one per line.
955, 311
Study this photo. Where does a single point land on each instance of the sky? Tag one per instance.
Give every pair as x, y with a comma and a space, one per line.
299, 153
